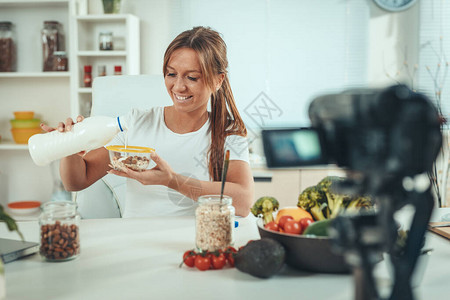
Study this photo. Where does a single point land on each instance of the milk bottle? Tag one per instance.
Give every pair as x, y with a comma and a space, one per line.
92, 133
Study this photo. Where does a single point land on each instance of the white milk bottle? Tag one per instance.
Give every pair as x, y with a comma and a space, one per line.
92, 133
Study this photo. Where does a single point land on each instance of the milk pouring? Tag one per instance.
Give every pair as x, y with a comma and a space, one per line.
92, 133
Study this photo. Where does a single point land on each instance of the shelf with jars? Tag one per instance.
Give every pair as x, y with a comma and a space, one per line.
101, 44
27, 87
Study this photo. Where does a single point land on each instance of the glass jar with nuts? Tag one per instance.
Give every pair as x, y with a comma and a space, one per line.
59, 229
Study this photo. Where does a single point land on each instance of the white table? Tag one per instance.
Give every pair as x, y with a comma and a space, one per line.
139, 259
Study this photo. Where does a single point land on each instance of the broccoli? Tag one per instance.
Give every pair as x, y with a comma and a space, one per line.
265, 206
335, 201
358, 203
312, 200
323, 202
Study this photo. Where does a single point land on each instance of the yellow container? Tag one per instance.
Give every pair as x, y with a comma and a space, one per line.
30, 123
21, 135
24, 115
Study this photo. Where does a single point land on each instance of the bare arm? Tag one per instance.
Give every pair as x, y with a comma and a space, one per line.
78, 172
239, 183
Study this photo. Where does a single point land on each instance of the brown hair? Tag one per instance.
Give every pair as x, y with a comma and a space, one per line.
224, 119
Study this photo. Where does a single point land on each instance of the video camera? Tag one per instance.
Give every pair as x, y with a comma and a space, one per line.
385, 139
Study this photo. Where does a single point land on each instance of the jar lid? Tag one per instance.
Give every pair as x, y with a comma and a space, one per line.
88, 68
51, 22
59, 53
131, 149
118, 68
5, 24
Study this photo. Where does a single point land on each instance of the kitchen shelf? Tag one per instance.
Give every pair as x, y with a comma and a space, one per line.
85, 51
10, 145
102, 53
84, 90
33, 74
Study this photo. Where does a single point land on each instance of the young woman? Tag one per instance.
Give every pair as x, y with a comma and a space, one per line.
190, 141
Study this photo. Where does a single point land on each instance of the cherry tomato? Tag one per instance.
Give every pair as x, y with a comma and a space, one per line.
304, 222
229, 254
272, 226
283, 220
292, 226
189, 258
218, 261
202, 262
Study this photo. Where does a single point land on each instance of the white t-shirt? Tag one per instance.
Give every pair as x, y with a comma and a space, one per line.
185, 153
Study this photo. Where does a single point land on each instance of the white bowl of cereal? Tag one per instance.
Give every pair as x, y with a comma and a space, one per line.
131, 157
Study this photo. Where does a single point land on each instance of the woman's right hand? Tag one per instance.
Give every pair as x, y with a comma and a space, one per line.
62, 127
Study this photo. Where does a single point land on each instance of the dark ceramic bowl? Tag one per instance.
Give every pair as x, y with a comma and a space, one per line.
304, 253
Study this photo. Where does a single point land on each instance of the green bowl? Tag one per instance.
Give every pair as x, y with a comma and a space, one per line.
30, 123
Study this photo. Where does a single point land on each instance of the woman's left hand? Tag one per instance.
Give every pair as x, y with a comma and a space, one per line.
161, 174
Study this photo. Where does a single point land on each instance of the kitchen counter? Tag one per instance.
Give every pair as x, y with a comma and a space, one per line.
139, 259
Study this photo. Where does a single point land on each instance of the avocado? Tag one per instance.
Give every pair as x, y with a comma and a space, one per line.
261, 258
318, 228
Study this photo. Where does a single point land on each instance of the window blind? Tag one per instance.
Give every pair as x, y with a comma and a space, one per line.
434, 55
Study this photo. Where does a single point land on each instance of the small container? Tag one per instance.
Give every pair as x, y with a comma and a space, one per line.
59, 229
7, 48
214, 219
131, 157
105, 40
87, 76
102, 70
60, 62
117, 70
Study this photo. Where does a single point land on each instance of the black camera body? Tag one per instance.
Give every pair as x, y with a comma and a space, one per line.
382, 137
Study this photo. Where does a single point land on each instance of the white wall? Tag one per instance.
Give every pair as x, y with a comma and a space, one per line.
391, 34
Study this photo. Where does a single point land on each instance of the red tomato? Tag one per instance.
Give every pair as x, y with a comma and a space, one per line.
292, 226
272, 226
283, 220
189, 258
229, 254
219, 261
202, 262
304, 222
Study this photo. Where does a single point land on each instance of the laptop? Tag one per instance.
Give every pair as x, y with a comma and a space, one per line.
13, 249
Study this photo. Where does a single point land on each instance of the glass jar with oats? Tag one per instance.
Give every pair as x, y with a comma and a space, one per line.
214, 223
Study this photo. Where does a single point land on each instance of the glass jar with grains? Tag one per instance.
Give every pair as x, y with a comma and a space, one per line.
214, 223
59, 228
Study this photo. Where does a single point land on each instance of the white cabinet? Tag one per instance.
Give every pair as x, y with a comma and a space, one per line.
86, 51
29, 88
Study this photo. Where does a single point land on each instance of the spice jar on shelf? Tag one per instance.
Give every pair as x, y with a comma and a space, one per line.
87, 76
117, 70
59, 229
60, 62
101, 70
7, 48
52, 40
214, 223
106, 40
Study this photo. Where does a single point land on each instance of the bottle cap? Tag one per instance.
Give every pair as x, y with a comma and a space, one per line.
88, 68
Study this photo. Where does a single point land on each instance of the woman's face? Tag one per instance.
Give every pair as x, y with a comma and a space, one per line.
185, 82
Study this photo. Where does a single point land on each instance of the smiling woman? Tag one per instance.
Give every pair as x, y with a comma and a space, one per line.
189, 140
